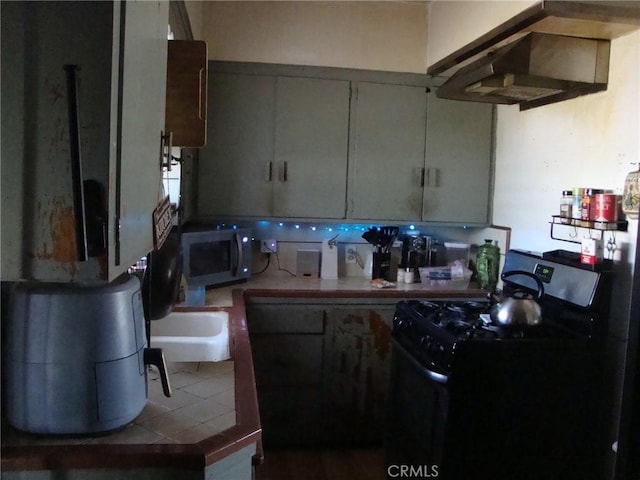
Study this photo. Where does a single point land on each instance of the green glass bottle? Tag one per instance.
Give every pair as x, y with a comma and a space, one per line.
487, 265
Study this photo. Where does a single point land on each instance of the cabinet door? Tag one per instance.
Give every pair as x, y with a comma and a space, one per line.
186, 113
458, 161
388, 152
139, 102
234, 169
312, 119
357, 365
287, 344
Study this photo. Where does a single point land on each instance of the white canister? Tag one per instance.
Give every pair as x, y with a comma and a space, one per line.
408, 276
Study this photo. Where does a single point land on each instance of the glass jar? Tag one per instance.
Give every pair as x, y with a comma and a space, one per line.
488, 265
566, 206
576, 211
588, 206
631, 195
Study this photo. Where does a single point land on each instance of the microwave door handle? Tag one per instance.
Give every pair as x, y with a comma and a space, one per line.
239, 259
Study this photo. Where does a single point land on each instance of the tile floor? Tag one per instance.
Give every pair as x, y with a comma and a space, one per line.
202, 405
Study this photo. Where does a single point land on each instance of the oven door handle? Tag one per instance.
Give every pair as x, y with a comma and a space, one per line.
435, 376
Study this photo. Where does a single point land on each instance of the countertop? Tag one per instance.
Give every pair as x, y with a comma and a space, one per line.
224, 418
286, 285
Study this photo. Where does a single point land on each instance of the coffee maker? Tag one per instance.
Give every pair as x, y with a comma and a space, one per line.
416, 252
420, 251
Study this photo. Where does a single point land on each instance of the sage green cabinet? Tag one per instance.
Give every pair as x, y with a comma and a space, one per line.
357, 365
234, 168
278, 147
387, 158
322, 371
120, 49
287, 344
458, 172
322, 143
311, 144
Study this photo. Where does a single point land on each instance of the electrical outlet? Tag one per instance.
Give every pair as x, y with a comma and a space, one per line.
269, 246
350, 253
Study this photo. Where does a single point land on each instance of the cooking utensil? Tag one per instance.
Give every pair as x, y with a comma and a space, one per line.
520, 309
371, 235
388, 236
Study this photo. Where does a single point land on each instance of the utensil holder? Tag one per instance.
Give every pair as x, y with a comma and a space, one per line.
381, 265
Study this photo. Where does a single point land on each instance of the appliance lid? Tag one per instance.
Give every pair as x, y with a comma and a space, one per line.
535, 70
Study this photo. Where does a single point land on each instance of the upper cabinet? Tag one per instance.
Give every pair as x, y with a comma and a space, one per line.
278, 147
458, 172
309, 170
186, 109
118, 51
387, 161
321, 143
235, 168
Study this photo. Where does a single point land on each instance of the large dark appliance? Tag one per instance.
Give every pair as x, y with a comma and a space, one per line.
472, 400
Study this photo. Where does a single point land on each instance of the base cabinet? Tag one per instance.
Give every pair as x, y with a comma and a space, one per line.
357, 364
321, 372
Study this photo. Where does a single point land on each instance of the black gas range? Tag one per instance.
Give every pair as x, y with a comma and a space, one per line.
475, 400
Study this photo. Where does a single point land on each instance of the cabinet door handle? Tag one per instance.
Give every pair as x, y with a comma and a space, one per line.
419, 173
284, 172
268, 171
433, 177
202, 93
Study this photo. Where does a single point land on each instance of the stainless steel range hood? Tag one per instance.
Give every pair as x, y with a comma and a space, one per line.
535, 70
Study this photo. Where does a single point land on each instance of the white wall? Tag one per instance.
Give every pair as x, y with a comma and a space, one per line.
589, 141
453, 24
195, 9
366, 35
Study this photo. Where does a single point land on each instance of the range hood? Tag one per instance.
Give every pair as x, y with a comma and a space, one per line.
523, 59
535, 70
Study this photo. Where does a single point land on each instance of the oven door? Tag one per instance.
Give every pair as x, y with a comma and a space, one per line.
417, 414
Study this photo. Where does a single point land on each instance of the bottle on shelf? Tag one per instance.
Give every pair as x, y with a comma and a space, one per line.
566, 206
576, 210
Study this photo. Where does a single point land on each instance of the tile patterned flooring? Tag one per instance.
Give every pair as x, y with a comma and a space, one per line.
202, 405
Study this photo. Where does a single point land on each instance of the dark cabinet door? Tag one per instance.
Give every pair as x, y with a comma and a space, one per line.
186, 111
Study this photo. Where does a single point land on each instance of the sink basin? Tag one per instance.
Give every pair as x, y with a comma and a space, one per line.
200, 336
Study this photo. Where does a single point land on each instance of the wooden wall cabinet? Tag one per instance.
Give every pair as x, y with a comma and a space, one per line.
187, 80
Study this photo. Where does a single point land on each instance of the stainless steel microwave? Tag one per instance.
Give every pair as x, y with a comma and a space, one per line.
214, 256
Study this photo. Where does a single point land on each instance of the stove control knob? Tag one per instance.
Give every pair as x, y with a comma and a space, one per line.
425, 343
401, 323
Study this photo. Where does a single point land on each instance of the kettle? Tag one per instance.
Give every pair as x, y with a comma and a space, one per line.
520, 309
